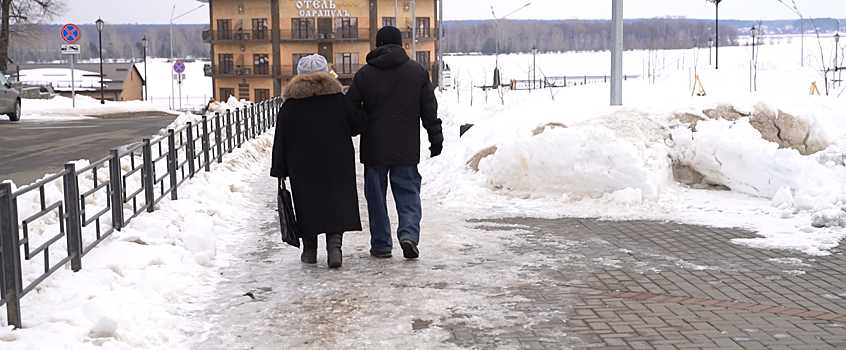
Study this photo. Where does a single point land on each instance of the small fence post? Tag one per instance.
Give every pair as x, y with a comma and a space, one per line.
74, 228
11, 255
217, 142
229, 131
117, 190
238, 126
206, 142
172, 163
253, 116
148, 176
190, 148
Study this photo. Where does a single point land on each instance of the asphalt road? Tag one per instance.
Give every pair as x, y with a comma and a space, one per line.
30, 150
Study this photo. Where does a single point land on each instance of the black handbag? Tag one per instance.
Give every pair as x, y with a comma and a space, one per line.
287, 220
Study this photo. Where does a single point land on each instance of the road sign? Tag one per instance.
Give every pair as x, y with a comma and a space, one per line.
179, 67
70, 49
70, 33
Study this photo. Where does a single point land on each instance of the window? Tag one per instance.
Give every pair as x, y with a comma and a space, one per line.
259, 28
346, 27
225, 93
389, 21
261, 94
296, 59
346, 63
223, 30
261, 64
302, 28
423, 58
423, 29
226, 63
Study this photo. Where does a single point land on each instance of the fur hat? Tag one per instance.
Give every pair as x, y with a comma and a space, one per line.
312, 64
388, 35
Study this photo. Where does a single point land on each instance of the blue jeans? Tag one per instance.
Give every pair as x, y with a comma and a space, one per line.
405, 184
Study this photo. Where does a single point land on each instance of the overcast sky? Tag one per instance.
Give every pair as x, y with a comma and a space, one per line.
159, 11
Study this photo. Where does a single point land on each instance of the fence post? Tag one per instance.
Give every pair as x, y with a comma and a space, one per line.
148, 176
206, 142
229, 131
238, 126
190, 149
11, 255
74, 228
115, 182
217, 138
253, 117
172, 163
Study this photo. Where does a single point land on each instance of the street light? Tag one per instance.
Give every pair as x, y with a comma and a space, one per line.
710, 44
717, 54
836, 41
496, 40
100, 25
534, 66
754, 31
144, 46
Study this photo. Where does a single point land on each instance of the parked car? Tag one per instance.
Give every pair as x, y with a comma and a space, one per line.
10, 100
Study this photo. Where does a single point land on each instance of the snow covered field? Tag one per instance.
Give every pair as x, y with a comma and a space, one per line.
532, 156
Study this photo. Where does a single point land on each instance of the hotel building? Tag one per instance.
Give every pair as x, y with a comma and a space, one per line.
256, 44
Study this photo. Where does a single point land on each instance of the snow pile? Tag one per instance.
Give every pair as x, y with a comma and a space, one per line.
231, 104
137, 289
63, 108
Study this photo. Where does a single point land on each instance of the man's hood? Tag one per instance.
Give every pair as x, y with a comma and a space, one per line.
387, 56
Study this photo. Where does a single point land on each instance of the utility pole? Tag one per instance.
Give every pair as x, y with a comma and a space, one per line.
617, 53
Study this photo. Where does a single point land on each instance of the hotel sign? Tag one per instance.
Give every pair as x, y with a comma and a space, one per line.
320, 9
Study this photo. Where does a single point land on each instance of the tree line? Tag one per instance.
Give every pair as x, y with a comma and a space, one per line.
43, 43
663, 33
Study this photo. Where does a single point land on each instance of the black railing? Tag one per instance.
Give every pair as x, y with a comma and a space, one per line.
210, 69
237, 35
559, 82
336, 34
159, 166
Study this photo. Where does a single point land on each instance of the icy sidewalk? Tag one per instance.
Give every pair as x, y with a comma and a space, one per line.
270, 300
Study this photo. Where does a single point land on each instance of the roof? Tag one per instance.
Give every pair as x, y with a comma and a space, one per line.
115, 75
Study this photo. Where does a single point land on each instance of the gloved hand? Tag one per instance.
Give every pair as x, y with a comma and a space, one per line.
436, 149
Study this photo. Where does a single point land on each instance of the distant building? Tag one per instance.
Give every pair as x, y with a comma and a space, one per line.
121, 81
256, 44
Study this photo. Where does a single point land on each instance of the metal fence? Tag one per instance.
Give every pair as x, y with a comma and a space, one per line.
132, 179
559, 82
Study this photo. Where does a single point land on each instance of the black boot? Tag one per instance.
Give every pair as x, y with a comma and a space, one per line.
309, 255
333, 249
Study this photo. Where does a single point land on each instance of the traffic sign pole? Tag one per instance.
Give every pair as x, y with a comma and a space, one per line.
70, 34
178, 68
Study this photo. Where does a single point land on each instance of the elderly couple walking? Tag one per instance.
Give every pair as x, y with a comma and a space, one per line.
385, 104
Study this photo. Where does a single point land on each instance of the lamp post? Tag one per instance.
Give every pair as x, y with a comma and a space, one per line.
836, 41
100, 25
717, 27
534, 67
753, 31
710, 44
496, 82
144, 46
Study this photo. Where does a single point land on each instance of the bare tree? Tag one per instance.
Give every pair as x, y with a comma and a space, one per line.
20, 16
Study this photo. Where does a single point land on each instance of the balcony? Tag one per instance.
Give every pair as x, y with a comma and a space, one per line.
236, 35
341, 34
424, 33
235, 70
211, 70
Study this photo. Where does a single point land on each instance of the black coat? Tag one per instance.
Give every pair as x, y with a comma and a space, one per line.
397, 94
313, 146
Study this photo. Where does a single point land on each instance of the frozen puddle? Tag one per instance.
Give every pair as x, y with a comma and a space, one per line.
270, 300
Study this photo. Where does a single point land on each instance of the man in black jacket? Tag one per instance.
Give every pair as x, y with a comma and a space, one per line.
397, 94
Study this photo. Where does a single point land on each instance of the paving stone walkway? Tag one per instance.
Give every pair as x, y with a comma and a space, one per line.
658, 285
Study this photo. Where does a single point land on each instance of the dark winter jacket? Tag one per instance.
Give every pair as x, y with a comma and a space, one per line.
397, 94
313, 146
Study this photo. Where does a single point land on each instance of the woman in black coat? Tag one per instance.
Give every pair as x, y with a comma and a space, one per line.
313, 145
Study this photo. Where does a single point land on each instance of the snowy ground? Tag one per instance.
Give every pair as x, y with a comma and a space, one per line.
172, 279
